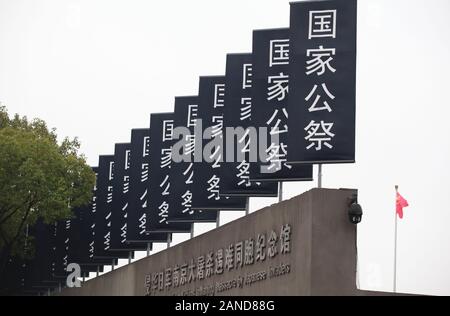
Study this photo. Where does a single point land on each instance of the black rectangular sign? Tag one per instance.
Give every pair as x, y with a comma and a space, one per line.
323, 80
208, 165
182, 170
241, 138
139, 191
120, 205
103, 210
270, 94
161, 136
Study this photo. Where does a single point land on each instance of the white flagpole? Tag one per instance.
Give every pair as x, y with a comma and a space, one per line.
395, 243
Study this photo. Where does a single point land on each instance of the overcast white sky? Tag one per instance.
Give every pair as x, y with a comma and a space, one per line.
97, 68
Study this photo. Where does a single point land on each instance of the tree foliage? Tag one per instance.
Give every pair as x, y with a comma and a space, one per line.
39, 178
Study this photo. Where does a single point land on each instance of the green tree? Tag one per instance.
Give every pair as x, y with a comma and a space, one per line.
39, 178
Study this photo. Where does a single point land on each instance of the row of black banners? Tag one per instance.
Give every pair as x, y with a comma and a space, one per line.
297, 86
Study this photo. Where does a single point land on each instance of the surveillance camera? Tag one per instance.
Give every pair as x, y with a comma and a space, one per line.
355, 213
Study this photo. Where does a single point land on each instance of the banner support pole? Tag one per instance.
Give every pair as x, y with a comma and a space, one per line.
169, 237
247, 206
319, 176
148, 249
129, 257
218, 219
280, 191
112, 266
192, 231
98, 271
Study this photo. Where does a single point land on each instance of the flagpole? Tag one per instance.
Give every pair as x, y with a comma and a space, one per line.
395, 244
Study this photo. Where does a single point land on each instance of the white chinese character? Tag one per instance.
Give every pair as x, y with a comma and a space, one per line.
142, 224
166, 184
316, 137
275, 129
325, 105
247, 76
214, 188
246, 109
123, 233
189, 146
107, 241
146, 147
216, 128
166, 158
216, 156
111, 170
127, 159
164, 211
187, 202
192, 115
144, 195
110, 194
279, 52
189, 172
126, 184
278, 87
246, 141
167, 130
320, 60
322, 24
219, 95
144, 172
244, 174
277, 156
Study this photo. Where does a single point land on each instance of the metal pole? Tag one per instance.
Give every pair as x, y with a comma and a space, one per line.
395, 244
112, 266
192, 231
247, 206
59, 288
98, 271
149, 245
48, 292
280, 191
129, 257
169, 237
319, 177
218, 219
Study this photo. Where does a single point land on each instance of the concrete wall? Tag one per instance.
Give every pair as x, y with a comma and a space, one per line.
321, 259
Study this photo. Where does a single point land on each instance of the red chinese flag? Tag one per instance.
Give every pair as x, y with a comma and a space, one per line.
400, 204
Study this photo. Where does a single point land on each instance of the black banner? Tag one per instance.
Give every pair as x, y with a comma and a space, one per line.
161, 136
86, 215
80, 238
42, 264
182, 169
61, 233
323, 80
103, 212
120, 204
210, 149
242, 144
270, 93
139, 194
